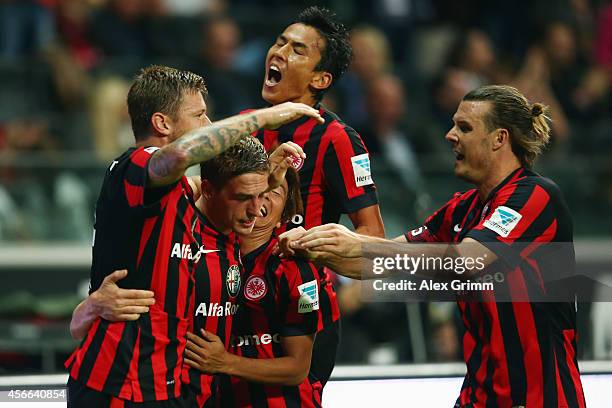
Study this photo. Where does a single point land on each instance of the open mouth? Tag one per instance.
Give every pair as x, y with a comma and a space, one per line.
263, 211
274, 76
248, 222
458, 156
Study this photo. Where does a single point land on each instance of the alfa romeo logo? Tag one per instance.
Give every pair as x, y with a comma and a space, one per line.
232, 280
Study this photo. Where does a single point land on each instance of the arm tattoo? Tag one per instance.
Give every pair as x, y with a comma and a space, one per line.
200, 145
161, 164
205, 143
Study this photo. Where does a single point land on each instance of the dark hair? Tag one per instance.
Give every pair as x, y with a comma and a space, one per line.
159, 89
246, 156
336, 56
527, 124
293, 204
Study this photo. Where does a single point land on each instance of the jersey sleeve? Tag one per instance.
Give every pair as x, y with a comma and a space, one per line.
437, 226
298, 290
522, 212
130, 177
346, 166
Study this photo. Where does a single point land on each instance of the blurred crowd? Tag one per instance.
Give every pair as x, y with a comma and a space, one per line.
65, 66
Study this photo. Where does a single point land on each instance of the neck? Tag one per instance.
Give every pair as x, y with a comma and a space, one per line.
496, 176
204, 207
152, 141
252, 241
306, 99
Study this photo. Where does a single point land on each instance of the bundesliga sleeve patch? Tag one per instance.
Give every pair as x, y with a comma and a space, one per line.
503, 221
361, 170
309, 297
151, 149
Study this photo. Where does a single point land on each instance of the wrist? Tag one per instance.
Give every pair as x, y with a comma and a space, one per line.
259, 118
231, 362
92, 307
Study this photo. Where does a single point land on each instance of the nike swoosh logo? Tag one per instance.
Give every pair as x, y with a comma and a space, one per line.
207, 251
457, 228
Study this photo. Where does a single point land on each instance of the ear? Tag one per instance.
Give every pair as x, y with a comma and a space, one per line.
321, 80
500, 138
161, 123
207, 189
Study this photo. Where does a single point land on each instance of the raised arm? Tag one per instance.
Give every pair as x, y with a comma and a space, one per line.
169, 163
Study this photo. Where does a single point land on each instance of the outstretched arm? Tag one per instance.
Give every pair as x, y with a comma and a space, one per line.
169, 163
353, 255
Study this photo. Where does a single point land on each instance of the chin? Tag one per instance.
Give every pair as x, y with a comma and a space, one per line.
240, 230
465, 176
267, 94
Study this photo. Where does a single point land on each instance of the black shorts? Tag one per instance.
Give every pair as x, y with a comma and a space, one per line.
80, 396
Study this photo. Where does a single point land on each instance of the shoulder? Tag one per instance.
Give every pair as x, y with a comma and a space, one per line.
337, 128
297, 269
530, 182
461, 197
140, 155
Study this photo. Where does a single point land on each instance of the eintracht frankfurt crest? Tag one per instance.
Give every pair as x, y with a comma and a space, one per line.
255, 288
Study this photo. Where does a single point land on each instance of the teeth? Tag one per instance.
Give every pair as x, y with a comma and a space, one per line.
275, 68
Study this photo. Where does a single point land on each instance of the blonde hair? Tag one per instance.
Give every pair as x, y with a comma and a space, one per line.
528, 124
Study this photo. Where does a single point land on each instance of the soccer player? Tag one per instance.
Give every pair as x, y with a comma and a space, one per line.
307, 58
145, 209
517, 353
234, 185
268, 363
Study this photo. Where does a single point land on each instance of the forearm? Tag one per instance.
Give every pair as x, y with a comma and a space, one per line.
199, 145
432, 260
372, 231
350, 267
381, 257
82, 319
368, 221
280, 371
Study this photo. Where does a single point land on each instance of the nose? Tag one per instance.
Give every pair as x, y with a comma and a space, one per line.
451, 136
254, 207
206, 121
281, 52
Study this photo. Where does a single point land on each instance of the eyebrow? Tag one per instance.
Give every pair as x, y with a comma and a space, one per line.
282, 186
296, 44
460, 119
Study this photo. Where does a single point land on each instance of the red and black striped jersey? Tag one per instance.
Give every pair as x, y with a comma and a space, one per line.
218, 280
280, 298
335, 177
517, 353
154, 233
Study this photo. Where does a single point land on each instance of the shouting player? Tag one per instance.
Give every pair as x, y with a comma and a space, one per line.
145, 209
517, 353
307, 58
